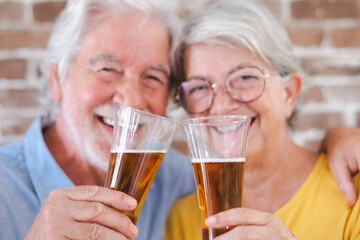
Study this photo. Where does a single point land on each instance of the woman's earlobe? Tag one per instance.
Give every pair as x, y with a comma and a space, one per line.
54, 83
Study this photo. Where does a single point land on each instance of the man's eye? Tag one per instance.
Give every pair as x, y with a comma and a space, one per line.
153, 82
108, 73
108, 70
154, 78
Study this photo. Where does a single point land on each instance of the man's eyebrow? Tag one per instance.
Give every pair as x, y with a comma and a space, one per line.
161, 68
102, 57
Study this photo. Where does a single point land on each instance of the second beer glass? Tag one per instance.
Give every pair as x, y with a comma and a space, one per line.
217, 146
140, 141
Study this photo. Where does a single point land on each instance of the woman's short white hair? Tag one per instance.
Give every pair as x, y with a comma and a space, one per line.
79, 16
240, 23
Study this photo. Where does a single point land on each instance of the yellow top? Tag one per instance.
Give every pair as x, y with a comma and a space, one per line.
317, 211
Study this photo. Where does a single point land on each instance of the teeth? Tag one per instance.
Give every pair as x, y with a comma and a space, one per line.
131, 127
228, 128
108, 121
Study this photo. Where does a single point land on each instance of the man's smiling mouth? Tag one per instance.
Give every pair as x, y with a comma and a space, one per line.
252, 121
107, 121
132, 127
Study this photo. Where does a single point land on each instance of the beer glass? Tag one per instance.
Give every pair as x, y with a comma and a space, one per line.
139, 143
217, 146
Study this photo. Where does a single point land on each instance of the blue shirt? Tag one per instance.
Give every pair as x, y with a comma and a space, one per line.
28, 173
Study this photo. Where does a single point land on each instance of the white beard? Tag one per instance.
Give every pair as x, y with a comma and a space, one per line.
85, 149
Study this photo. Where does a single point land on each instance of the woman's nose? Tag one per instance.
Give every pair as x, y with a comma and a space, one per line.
222, 102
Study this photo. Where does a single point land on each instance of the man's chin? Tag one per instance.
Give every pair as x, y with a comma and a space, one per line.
99, 158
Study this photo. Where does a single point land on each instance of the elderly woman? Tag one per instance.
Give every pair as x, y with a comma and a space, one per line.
237, 60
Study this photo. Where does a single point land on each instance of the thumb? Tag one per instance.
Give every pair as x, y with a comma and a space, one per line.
343, 180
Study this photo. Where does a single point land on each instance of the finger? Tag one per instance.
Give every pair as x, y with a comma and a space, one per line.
238, 216
91, 231
342, 177
96, 212
256, 232
116, 199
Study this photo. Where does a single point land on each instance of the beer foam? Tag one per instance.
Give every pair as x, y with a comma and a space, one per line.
137, 151
217, 160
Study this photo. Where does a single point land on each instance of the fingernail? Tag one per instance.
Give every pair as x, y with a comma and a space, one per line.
350, 200
131, 202
210, 220
134, 230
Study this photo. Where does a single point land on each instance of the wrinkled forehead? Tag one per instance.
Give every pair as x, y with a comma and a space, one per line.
204, 58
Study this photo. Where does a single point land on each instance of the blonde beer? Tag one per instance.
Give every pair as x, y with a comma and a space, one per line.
219, 188
133, 172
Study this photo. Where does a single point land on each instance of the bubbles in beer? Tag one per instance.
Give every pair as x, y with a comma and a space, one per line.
219, 187
133, 172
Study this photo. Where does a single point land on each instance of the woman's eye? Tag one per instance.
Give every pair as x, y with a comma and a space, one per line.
198, 89
246, 77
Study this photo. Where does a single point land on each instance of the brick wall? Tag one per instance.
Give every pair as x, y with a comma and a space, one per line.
326, 35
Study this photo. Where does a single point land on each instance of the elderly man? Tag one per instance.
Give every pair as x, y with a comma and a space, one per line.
100, 53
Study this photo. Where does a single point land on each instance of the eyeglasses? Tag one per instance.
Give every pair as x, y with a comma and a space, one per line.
243, 84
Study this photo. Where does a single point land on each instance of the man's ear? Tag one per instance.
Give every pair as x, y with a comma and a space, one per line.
292, 90
54, 83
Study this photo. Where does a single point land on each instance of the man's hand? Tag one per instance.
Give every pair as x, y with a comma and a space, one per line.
342, 145
84, 212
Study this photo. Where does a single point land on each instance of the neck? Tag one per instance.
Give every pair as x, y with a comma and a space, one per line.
77, 169
273, 177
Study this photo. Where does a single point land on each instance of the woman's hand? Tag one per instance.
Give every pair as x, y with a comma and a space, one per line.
84, 212
249, 224
342, 145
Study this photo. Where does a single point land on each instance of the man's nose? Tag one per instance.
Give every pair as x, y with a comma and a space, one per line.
129, 92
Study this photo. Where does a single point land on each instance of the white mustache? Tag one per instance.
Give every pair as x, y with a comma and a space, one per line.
105, 111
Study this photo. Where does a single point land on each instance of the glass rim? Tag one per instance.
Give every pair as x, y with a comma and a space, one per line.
205, 120
149, 114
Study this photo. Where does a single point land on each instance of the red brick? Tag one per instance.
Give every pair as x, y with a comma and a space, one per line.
312, 95
306, 37
331, 67
317, 120
343, 94
20, 98
23, 39
16, 125
13, 69
47, 11
346, 37
325, 9
11, 11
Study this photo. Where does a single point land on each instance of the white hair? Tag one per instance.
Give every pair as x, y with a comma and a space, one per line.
79, 16
240, 23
